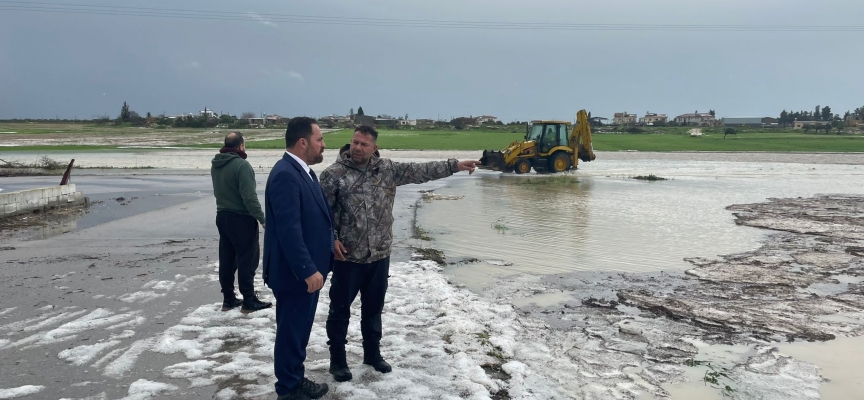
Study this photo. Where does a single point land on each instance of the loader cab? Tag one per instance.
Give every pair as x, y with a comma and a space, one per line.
548, 134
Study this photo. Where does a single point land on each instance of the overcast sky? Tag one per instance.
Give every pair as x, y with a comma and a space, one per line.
84, 65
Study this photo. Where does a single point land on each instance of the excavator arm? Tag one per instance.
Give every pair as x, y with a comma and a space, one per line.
580, 139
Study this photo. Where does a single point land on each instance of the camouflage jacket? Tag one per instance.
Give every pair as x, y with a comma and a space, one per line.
362, 201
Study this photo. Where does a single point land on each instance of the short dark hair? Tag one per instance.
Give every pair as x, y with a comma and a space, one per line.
367, 130
234, 140
298, 127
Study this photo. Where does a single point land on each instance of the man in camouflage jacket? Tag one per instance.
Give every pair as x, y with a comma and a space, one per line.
360, 188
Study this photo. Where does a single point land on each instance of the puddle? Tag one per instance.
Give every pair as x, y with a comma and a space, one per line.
840, 361
849, 279
542, 300
613, 223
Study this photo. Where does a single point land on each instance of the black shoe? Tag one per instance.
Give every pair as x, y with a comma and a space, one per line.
339, 364
231, 304
230, 301
252, 304
312, 389
296, 394
372, 356
380, 365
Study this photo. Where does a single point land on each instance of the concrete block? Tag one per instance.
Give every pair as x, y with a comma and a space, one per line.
10, 208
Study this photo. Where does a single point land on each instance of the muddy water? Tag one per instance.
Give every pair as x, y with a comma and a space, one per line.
607, 221
839, 361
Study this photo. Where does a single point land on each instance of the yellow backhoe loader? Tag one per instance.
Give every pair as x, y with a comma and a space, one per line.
549, 147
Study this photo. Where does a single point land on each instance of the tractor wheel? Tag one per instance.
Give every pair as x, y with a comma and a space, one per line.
522, 167
560, 163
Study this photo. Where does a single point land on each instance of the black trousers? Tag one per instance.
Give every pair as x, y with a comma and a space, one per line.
238, 251
370, 280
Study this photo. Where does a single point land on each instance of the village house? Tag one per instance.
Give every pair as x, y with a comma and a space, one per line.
696, 118
207, 113
653, 118
624, 118
809, 124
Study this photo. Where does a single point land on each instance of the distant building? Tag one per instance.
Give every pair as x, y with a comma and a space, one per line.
386, 122
853, 120
207, 113
653, 118
624, 118
364, 120
486, 119
742, 121
275, 119
696, 118
407, 122
256, 122
810, 124
425, 122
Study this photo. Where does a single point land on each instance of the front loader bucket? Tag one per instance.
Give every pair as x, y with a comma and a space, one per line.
493, 160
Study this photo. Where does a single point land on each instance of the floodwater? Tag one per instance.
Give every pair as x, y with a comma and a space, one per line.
199, 159
606, 221
839, 361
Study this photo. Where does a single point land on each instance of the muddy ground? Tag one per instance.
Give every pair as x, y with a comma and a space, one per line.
82, 312
803, 284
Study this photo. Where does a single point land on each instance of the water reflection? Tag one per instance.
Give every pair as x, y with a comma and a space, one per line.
611, 223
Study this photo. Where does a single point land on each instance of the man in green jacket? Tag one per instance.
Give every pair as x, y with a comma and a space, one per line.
360, 189
238, 213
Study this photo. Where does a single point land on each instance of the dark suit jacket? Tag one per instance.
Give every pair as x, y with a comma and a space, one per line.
298, 231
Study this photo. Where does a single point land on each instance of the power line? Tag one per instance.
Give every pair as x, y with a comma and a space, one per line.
149, 12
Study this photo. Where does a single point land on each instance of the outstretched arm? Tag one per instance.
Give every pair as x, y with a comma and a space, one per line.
424, 172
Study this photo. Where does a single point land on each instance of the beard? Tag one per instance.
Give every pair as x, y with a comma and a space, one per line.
314, 157
360, 158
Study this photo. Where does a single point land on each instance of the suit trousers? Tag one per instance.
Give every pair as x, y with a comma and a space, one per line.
238, 251
295, 312
370, 280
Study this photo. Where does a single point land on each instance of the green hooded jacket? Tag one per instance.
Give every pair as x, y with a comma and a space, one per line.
234, 186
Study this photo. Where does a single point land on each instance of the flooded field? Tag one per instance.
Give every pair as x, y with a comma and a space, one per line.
601, 220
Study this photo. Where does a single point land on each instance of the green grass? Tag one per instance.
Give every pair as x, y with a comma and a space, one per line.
661, 139
650, 177
415, 140
757, 141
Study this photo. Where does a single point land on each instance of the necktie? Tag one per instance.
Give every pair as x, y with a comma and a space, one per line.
321, 193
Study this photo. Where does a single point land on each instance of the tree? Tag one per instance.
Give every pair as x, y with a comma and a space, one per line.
360, 111
713, 114
125, 114
226, 119
730, 131
827, 128
838, 125
826, 114
247, 115
859, 112
817, 115
784, 118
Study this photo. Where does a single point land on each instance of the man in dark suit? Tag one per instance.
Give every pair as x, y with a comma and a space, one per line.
298, 253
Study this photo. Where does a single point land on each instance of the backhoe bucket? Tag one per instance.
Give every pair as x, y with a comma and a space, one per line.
493, 160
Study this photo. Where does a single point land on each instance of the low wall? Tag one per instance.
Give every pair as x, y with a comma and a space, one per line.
40, 199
